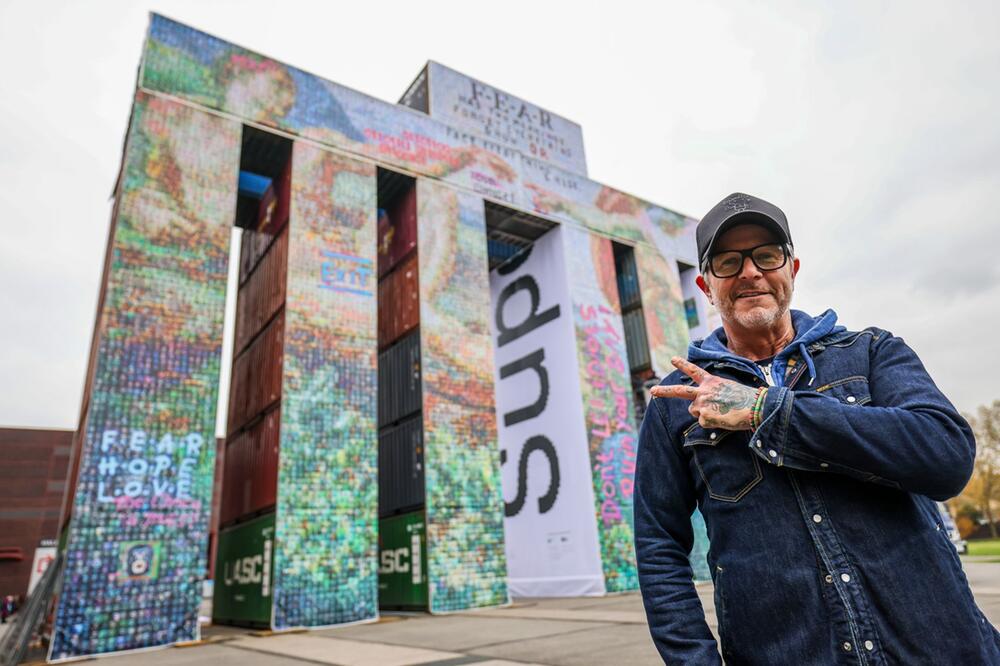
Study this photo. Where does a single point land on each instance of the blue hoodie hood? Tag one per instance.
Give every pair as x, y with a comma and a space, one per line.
807, 330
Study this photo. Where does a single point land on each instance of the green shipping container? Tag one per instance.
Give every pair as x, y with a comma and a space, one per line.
243, 574
402, 574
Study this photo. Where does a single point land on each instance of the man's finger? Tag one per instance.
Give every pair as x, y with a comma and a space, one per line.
689, 369
686, 392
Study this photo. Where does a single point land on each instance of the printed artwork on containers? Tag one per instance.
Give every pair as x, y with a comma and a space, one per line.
466, 566
137, 542
606, 395
325, 560
181, 61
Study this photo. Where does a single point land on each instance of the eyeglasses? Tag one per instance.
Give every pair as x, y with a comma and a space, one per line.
767, 257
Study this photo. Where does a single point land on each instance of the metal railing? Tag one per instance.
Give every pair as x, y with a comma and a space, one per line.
14, 644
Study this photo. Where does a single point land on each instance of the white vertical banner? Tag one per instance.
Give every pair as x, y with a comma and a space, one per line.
550, 525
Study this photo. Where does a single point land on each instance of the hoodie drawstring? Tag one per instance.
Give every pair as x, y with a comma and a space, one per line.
809, 362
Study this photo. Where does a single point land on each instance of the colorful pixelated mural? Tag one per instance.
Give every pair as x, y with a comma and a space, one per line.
465, 539
138, 538
663, 301
327, 512
179, 60
606, 393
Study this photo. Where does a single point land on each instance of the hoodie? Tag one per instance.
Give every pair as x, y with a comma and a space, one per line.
808, 329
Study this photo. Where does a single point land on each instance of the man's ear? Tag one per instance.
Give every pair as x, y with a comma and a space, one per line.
700, 281
795, 266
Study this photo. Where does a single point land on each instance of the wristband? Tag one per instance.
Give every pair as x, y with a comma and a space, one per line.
757, 413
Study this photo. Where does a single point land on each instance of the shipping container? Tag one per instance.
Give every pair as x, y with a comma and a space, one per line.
398, 302
213, 522
397, 230
628, 276
256, 201
500, 251
402, 572
283, 191
399, 380
250, 474
242, 589
257, 375
401, 467
263, 294
636, 342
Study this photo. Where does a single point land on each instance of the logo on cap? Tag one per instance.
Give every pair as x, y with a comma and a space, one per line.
737, 203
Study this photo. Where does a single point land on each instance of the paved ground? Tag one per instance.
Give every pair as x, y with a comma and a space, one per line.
584, 631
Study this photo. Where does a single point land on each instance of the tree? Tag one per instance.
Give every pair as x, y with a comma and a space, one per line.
984, 487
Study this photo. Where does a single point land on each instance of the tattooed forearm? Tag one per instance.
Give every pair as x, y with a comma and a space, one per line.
729, 396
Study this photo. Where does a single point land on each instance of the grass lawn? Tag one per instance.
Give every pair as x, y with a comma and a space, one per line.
985, 547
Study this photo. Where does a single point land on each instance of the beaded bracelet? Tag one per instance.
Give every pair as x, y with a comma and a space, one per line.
757, 413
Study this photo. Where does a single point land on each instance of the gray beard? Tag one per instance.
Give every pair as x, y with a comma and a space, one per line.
759, 317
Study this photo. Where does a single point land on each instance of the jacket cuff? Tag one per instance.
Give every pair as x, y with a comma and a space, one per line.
768, 441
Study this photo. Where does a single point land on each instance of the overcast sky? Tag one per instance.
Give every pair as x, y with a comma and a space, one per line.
874, 127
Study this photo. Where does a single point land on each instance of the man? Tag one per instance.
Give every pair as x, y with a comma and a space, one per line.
815, 455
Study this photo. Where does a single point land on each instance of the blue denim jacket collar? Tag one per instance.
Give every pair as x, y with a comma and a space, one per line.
808, 331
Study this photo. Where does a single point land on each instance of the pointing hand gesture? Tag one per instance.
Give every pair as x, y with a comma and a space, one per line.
715, 402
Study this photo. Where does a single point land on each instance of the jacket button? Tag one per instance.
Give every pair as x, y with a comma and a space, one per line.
828, 578
846, 646
772, 453
817, 518
757, 443
869, 645
845, 577
712, 436
851, 398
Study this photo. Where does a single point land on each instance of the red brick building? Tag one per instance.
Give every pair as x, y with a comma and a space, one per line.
33, 467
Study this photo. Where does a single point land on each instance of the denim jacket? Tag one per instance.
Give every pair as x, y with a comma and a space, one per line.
826, 544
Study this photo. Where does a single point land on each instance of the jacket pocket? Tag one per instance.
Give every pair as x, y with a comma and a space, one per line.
726, 465
849, 390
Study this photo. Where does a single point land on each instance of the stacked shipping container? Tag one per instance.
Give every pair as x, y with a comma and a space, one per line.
400, 456
634, 323
250, 469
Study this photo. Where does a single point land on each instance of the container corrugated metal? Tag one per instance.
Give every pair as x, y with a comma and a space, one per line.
399, 380
250, 475
242, 590
256, 211
263, 293
628, 278
401, 467
498, 250
238, 384
257, 374
397, 231
402, 571
636, 342
283, 190
214, 519
398, 302
253, 246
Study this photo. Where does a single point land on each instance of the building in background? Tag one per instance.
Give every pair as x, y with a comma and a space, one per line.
32, 482
444, 330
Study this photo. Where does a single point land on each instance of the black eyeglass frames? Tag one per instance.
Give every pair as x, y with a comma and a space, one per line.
766, 257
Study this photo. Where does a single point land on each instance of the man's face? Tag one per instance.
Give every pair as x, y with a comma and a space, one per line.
752, 298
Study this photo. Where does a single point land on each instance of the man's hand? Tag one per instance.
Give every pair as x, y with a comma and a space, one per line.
715, 402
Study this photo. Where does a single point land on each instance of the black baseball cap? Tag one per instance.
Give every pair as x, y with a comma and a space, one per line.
734, 210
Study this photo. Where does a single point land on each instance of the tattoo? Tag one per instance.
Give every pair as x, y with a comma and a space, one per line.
713, 423
731, 396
